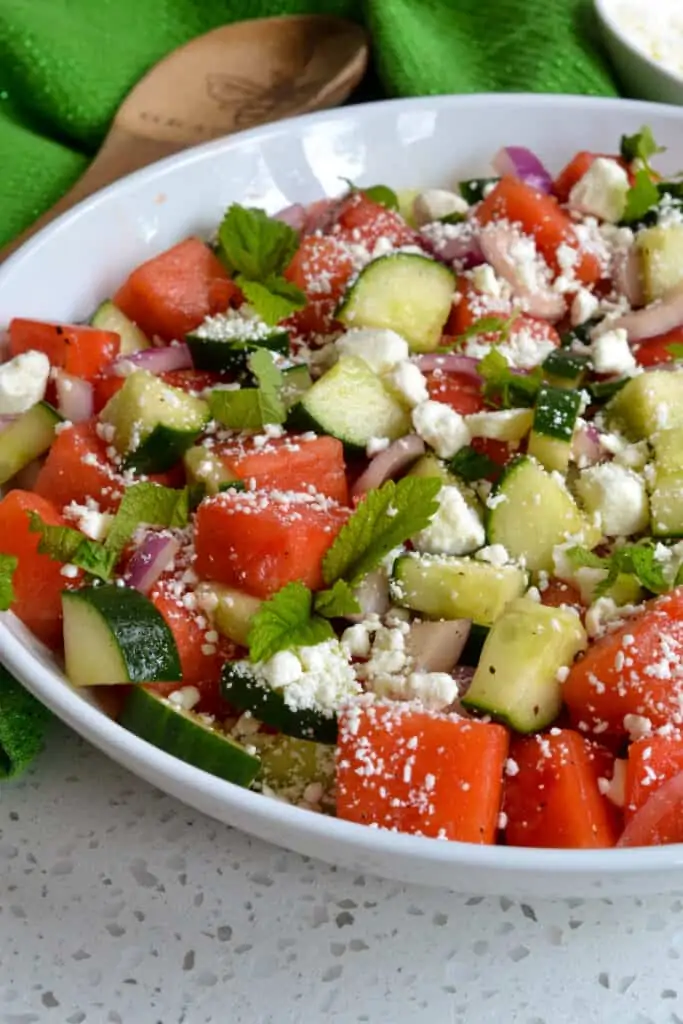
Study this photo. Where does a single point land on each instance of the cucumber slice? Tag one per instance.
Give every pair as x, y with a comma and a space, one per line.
661, 259
565, 369
501, 425
296, 380
406, 200
289, 765
668, 449
245, 692
666, 504
648, 403
109, 317
26, 438
205, 467
230, 354
555, 415
115, 635
188, 737
430, 465
449, 587
231, 610
530, 512
474, 189
153, 422
350, 402
516, 678
407, 293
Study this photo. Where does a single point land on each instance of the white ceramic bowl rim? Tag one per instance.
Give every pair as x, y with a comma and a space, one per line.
606, 15
263, 812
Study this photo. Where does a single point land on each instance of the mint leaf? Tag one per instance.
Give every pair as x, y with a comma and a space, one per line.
504, 388
640, 146
580, 558
8, 564
337, 602
676, 349
384, 519
255, 245
273, 299
252, 408
380, 194
640, 198
150, 504
639, 560
471, 465
286, 620
64, 544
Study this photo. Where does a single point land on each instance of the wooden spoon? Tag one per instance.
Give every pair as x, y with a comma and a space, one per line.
227, 80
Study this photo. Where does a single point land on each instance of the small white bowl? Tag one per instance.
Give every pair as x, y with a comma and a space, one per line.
640, 74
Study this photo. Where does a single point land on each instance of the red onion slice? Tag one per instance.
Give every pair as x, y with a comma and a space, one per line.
7, 421
627, 278
389, 464
372, 594
450, 363
156, 360
658, 318
74, 397
658, 821
586, 449
519, 162
541, 301
294, 216
437, 646
153, 557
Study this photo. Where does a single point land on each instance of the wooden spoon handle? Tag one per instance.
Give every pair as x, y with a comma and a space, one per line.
120, 154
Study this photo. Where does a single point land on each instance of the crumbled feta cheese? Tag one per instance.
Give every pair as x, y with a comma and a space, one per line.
494, 554
284, 668
600, 614
316, 678
435, 203
70, 571
637, 726
456, 527
584, 306
611, 353
380, 349
434, 690
234, 325
615, 788
601, 191
618, 495
23, 381
523, 351
441, 427
408, 382
356, 640
376, 445
185, 698
485, 281
90, 521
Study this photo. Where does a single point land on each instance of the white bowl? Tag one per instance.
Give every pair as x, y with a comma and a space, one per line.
66, 270
639, 73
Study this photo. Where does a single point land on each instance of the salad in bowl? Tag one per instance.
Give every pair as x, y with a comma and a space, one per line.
374, 506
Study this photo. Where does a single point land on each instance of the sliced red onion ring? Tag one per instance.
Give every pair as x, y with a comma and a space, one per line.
655, 319
519, 162
294, 216
6, 421
154, 555
74, 397
541, 301
462, 249
627, 279
372, 594
389, 464
660, 815
586, 447
449, 362
156, 360
437, 646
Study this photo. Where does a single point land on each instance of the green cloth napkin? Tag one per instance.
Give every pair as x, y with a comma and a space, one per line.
65, 65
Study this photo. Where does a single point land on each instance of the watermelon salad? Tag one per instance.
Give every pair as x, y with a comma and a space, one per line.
375, 506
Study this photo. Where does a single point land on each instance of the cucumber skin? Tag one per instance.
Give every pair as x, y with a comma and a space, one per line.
242, 690
160, 450
220, 356
151, 655
146, 715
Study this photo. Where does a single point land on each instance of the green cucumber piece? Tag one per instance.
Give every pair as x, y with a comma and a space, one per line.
244, 691
296, 380
114, 635
500, 424
289, 765
153, 422
230, 354
516, 680
555, 415
350, 402
666, 504
668, 449
531, 511
109, 317
26, 438
648, 403
205, 467
231, 610
565, 369
405, 292
661, 259
473, 190
187, 736
452, 587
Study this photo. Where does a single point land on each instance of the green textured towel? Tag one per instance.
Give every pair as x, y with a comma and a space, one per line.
65, 65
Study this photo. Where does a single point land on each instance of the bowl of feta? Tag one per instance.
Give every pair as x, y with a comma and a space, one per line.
645, 43
349, 477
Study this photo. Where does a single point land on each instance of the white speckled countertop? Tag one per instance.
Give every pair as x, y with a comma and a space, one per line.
118, 905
